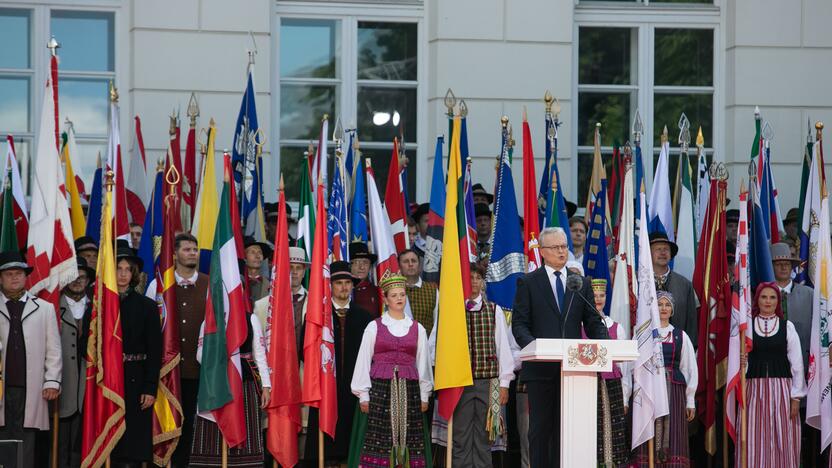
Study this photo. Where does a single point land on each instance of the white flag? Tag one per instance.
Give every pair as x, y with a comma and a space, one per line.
624, 260
649, 383
661, 204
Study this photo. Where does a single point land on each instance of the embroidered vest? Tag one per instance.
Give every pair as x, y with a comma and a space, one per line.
768, 357
481, 342
395, 354
672, 353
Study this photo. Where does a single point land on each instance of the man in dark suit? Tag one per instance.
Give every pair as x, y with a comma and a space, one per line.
545, 308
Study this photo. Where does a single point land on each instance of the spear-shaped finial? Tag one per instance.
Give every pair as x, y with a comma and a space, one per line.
113, 92
664, 134
638, 127
193, 109
700, 138
504, 121
450, 102
684, 132
757, 115
463, 108
281, 186
53, 45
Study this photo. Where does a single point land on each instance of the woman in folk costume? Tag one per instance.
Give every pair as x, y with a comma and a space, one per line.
142, 348
613, 394
671, 431
775, 385
393, 381
206, 448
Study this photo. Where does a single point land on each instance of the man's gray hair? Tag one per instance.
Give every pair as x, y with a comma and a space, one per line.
551, 231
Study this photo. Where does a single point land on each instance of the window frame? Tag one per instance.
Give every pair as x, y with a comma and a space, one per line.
347, 103
40, 32
645, 18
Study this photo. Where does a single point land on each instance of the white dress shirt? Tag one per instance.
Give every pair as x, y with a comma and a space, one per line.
793, 353
550, 273
361, 382
77, 308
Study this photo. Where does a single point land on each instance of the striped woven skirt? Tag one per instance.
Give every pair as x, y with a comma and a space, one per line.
773, 435
206, 449
395, 435
671, 434
613, 443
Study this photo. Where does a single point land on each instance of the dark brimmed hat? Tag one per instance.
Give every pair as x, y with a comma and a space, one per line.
481, 209
340, 270
360, 250
791, 216
478, 189
82, 265
249, 241
781, 251
571, 208
421, 210
14, 260
732, 216
85, 243
124, 252
660, 237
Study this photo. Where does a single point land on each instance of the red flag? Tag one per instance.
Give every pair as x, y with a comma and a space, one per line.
103, 415
174, 159
318, 343
531, 223
19, 210
137, 180
394, 201
121, 226
710, 282
284, 409
167, 409
189, 177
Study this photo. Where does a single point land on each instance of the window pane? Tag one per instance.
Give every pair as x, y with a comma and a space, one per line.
386, 51
85, 162
308, 48
85, 102
14, 29
684, 57
291, 163
382, 112
14, 104
301, 110
612, 110
86, 40
380, 159
669, 107
605, 56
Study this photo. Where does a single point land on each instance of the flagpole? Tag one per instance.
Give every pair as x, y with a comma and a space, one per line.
650, 447
450, 449
320, 446
224, 453
54, 457
743, 413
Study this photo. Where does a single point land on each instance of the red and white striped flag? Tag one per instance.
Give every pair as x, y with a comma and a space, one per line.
21, 214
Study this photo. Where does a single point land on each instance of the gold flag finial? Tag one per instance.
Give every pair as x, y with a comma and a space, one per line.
504, 121
463, 108
664, 134
450, 102
113, 92
819, 130
193, 109
700, 138
548, 99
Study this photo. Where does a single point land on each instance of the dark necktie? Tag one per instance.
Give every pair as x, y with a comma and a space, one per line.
560, 291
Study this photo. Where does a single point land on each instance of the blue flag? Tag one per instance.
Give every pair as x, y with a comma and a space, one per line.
507, 262
246, 163
759, 255
596, 261
555, 214
639, 184
94, 210
358, 207
153, 228
436, 218
336, 224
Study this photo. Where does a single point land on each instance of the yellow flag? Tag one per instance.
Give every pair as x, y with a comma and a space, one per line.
207, 202
76, 213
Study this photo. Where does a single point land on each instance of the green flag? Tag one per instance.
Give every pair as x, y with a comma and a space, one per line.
306, 215
8, 233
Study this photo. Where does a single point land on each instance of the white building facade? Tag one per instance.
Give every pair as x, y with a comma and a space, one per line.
385, 67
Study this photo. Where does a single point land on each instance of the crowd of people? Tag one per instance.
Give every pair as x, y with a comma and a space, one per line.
385, 341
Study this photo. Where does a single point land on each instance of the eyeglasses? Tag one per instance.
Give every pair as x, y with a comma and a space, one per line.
555, 247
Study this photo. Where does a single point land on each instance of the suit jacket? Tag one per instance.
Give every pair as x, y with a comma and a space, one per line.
799, 310
686, 305
537, 315
43, 358
74, 335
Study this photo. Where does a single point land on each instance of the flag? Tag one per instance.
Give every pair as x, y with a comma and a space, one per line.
224, 329
598, 174
436, 218
318, 342
394, 201
306, 213
103, 415
380, 230
453, 360
188, 180
818, 408
531, 223
803, 232
624, 294
686, 221
555, 213
337, 220
21, 213
76, 213
596, 260
284, 409
358, 206
759, 251
153, 227
661, 210
8, 234
167, 409
768, 199
740, 319
614, 188
468, 248
96, 199
137, 178
710, 282
50, 247
121, 228
649, 382
205, 218
507, 263
703, 184
318, 163
245, 161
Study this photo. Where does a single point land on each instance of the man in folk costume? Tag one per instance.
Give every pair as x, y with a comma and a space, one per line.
257, 256
31, 359
349, 320
191, 293
686, 310
366, 294
423, 296
76, 308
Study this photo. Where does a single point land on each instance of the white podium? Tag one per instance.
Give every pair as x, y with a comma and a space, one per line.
581, 362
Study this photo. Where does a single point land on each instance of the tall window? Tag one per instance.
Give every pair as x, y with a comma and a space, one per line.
87, 64
661, 71
363, 71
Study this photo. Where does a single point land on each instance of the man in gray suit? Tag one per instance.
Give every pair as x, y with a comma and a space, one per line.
797, 298
686, 312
